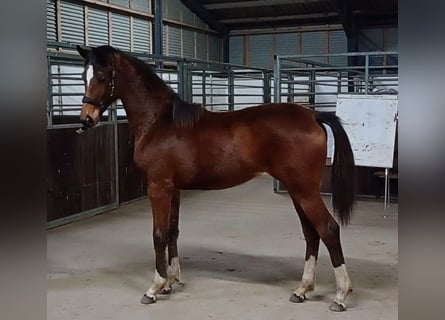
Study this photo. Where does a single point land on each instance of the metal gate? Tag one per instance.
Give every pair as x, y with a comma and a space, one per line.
306, 80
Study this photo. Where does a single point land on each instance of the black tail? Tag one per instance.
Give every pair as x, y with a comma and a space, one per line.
343, 169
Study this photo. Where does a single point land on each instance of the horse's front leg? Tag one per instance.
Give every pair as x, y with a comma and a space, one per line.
160, 195
174, 269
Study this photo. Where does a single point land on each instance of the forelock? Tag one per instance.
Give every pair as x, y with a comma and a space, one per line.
100, 56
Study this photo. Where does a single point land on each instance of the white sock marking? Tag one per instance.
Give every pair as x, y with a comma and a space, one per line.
308, 279
175, 269
158, 284
343, 284
173, 273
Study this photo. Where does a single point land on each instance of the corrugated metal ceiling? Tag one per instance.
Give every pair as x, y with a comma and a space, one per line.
248, 14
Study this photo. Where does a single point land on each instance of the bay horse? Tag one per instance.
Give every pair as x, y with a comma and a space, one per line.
180, 145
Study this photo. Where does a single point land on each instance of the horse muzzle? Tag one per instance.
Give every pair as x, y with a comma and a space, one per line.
88, 122
89, 117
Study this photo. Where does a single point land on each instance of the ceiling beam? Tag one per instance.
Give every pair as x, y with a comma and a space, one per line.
250, 4
346, 17
375, 13
205, 16
280, 18
287, 29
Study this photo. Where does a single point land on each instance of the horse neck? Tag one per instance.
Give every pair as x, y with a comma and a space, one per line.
146, 98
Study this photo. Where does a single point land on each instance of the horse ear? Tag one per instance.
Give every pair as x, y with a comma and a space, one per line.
83, 51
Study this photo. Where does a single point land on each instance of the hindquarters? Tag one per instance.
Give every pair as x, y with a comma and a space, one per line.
293, 148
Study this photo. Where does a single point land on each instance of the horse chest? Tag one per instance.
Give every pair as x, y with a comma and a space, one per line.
141, 156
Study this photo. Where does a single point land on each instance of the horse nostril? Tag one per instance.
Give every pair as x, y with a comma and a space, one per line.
88, 122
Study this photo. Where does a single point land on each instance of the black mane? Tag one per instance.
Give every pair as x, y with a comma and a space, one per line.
183, 114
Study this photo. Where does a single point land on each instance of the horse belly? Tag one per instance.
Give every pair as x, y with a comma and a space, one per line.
215, 182
219, 176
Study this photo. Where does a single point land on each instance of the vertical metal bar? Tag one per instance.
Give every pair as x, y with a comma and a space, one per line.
366, 73
231, 82
207, 47
181, 35
131, 33
58, 21
50, 95
59, 90
167, 42
266, 87
339, 82
189, 83
184, 81
246, 53
85, 19
277, 99
113, 111
203, 88
386, 197
110, 28
158, 17
385, 56
195, 49
211, 92
277, 80
328, 46
180, 79
352, 46
290, 89
225, 49
312, 88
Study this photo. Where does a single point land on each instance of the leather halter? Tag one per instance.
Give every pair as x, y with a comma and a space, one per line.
102, 104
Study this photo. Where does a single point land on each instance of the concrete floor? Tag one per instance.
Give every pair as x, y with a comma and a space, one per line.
242, 255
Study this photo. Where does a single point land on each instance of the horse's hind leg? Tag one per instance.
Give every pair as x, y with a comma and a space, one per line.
174, 269
329, 232
312, 244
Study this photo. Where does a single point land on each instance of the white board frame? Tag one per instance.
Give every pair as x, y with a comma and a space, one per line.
370, 122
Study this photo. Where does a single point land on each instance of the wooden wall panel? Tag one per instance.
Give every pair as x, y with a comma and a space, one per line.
80, 170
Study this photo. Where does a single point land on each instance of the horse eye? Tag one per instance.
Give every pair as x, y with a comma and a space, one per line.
100, 77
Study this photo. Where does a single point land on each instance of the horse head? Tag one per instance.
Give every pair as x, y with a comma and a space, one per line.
99, 77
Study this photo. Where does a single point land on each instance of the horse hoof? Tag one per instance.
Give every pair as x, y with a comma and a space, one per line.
147, 300
297, 299
337, 307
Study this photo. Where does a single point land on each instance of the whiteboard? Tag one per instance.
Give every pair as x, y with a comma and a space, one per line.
370, 123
